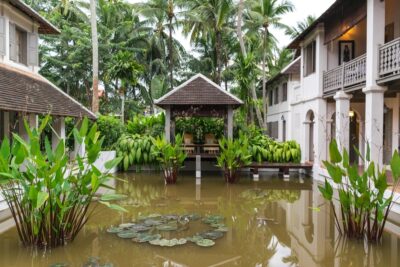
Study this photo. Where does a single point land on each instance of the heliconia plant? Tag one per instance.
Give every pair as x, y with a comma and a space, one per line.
363, 206
48, 195
234, 154
170, 157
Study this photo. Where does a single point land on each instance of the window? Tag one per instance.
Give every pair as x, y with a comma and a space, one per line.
21, 41
18, 44
273, 129
309, 58
270, 97
276, 96
284, 92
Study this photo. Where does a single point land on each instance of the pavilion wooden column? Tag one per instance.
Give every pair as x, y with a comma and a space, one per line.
168, 124
59, 128
230, 122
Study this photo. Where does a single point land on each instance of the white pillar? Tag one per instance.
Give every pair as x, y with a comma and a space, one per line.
230, 123
33, 122
374, 94
59, 128
396, 122
342, 120
168, 124
6, 124
320, 133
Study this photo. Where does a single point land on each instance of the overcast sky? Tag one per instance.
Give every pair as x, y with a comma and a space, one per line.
303, 9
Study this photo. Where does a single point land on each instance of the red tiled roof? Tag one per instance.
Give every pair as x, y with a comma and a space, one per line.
31, 93
198, 90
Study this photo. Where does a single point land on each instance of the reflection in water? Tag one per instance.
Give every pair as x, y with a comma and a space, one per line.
271, 223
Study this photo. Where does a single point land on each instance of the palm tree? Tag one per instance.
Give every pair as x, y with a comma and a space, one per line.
263, 14
301, 26
209, 19
95, 56
158, 13
244, 56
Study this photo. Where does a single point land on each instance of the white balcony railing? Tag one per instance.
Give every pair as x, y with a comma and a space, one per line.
389, 59
348, 74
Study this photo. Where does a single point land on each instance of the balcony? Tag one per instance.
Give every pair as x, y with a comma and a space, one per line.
348, 76
389, 61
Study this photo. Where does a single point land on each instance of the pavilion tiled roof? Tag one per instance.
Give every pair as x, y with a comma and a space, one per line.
199, 90
28, 92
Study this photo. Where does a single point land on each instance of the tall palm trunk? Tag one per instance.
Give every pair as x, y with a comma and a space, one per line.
218, 47
171, 54
243, 48
264, 89
95, 48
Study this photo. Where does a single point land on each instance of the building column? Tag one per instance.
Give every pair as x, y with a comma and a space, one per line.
59, 131
342, 120
230, 123
6, 116
374, 94
168, 124
33, 122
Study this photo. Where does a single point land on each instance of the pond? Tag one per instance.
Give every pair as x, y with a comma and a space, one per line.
270, 223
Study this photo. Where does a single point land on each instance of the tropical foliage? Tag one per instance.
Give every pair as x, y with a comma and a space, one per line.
49, 199
234, 154
136, 150
170, 156
363, 206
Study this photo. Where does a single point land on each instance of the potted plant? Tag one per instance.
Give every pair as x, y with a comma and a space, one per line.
48, 198
170, 156
234, 154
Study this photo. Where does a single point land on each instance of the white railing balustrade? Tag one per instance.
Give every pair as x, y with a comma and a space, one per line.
389, 59
348, 74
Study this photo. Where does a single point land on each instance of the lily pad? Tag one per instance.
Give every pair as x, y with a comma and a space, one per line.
142, 238
168, 227
126, 225
153, 222
217, 225
213, 219
222, 229
171, 217
127, 234
140, 227
114, 230
205, 243
192, 217
194, 238
212, 235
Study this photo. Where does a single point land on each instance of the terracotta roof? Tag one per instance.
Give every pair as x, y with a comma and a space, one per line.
31, 93
45, 27
198, 90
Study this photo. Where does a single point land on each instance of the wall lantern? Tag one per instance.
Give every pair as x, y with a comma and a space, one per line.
351, 113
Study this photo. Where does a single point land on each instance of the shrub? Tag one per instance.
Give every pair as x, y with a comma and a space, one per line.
111, 128
202, 126
364, 209
147, 125
233, 156
135, 149
170, 156
48, 198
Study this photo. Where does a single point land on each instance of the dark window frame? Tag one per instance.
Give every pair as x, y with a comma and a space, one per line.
310, 55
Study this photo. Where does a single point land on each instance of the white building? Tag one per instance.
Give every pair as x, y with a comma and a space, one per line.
347, 85
24, 93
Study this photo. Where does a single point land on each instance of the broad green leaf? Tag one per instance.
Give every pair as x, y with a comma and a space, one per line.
41, 199
326, 191
113, 206
77, 137
335, 172
346, 161
112, 197
44, 123
112, 163
395, 165
334, 153
5, 149
84, 127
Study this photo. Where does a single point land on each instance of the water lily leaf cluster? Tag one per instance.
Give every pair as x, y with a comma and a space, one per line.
152, 228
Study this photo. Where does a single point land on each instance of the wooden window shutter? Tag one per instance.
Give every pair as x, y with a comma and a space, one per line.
2, 36
13, 43
33, 49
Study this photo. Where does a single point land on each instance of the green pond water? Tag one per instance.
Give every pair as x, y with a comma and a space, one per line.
270, 223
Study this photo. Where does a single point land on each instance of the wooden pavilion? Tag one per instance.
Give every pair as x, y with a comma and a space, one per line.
198, 97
